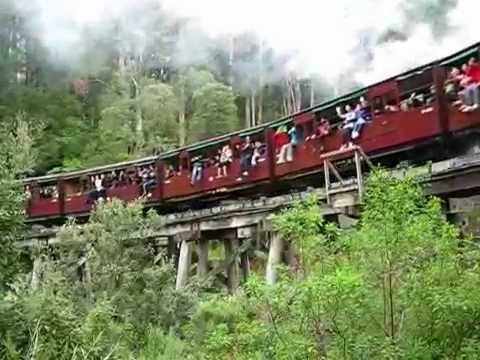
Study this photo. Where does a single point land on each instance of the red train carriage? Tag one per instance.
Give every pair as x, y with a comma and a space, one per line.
168, 178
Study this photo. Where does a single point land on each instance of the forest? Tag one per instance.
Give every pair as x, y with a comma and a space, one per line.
400, 284
124, 96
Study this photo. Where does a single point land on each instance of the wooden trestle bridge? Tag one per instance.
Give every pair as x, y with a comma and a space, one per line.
243, 226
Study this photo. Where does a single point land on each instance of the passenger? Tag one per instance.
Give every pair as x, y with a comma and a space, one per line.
53, 191
100, 187
392, 108
452, 86
404, 105
349, 119
471, 84
197, 169
98, 192
122, 179
150, 182
429, 100
322, 129
281, 144
169, 173
226, 158
257, 153
108, 180
28, 192
416, 100
294, 137
363, 114
246, 155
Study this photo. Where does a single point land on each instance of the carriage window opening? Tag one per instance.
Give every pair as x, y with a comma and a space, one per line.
391, 103
309, 128
49, 192
300, 133
378, 105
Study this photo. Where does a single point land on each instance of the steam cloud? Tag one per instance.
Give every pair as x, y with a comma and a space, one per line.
367, 40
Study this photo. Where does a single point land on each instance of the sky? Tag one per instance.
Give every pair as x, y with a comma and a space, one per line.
328, 37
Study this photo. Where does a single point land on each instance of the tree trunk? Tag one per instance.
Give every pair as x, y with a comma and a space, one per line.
231, 58
312, 94
297, 96
35, 280
247, 111
233, 279
285, 106
138, 112
260, 106
202, 265
254, 120
260, 84
182, 131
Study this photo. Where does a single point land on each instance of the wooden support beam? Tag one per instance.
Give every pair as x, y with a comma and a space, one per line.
185, 259
231, 251
358, 166
326, 170
228, 260
274, 258
202, 251
244, 265
171, 248
335, 172
36, 272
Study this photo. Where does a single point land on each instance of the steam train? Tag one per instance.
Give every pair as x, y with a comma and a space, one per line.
425, 131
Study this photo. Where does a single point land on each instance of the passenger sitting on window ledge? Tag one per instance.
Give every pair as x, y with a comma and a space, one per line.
363, 114
349, 119
429, 100
322, 129
281, 144
197, 169
149, 181
392, 107
452, 86
293, 140
169, 173
471, 84
257, 153
98, 193
246, 155
226, 158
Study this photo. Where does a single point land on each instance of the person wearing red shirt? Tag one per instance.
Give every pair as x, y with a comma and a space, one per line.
473, 70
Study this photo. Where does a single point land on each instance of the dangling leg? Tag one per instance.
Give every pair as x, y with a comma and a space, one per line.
357, 128
289, 152
281, 155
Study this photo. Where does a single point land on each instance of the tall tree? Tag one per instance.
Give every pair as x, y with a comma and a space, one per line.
187, 82
214, 111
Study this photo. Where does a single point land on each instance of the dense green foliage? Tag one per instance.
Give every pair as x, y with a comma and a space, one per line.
395, 286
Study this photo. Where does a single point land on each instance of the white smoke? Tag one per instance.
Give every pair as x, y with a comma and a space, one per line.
328, 38
422, 47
